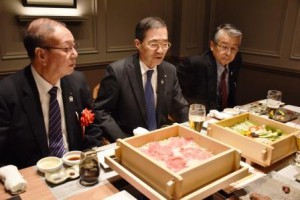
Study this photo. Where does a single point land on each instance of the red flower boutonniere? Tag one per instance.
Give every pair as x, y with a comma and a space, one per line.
87, 117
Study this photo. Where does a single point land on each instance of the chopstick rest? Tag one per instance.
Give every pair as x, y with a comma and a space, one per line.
12, 179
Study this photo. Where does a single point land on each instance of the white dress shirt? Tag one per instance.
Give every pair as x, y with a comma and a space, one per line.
43, 89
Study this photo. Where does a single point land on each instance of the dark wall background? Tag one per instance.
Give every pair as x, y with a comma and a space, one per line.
105, 29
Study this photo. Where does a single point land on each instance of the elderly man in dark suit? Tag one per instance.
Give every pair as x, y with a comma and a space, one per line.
123, 104
25, 128
200, 76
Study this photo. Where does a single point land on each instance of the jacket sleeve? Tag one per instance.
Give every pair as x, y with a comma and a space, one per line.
186, 73
4, 128
92, 132
106, 103
180, 106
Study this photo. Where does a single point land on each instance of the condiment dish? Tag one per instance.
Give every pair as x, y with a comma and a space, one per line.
72, 158
49, 164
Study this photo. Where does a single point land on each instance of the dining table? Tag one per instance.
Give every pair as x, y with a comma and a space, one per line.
38, 188
111, 183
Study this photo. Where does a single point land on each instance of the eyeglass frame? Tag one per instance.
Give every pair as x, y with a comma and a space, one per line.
75, 45
227, 48
158, 45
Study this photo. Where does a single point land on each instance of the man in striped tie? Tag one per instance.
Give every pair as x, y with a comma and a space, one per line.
40, 105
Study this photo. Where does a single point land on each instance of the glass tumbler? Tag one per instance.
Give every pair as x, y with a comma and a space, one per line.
89, 168
273, 102
197, 116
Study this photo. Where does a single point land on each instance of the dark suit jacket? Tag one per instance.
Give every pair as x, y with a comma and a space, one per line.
198, 76
121, 105
23, 139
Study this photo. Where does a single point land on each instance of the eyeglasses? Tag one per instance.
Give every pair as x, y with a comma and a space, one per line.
156, 45
65, 49
225, 48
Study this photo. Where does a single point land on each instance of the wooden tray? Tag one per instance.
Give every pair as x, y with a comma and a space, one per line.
254, 151
157, 181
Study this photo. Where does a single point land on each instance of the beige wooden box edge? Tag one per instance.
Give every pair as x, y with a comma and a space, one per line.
254, 151
214, 174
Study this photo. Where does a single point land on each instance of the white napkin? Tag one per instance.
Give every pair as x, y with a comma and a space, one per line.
140, 131
12, 179
218, 115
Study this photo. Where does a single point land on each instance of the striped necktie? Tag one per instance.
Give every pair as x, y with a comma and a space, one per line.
150, 102
56, 144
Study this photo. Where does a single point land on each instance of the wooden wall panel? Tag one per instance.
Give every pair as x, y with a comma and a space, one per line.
295, 51
268, 28
190, 27
270, 45
120, 22
254, 82
262, 23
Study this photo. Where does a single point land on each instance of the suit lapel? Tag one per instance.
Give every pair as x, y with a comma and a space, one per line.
70, 112
31, 105
212, 72
161, 106
136, 84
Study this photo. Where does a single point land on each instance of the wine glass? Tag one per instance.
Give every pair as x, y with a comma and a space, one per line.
197, 115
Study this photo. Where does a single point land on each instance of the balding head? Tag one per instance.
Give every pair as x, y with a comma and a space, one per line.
38, 33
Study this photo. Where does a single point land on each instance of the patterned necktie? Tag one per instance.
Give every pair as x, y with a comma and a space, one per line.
56, 144
223, 89
150, 102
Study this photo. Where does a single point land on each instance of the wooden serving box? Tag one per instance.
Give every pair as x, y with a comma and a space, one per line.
255, 151
158, 182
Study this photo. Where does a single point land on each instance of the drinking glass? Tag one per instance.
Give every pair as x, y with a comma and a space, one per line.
197, 115
89, 168
273, 102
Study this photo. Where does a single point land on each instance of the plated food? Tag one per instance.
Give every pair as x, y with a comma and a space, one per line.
284, 115
262, 133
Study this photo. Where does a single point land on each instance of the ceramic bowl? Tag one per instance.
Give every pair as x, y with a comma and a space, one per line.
49, 164
72, 158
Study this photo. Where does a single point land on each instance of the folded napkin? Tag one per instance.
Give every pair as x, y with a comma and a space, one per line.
218, 115
12, 179
140, 131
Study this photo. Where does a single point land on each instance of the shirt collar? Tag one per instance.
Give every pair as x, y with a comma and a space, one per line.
42, 84
221, 68
144, 67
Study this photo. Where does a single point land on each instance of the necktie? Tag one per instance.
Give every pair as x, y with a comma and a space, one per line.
223, 89
150, 102
56, 144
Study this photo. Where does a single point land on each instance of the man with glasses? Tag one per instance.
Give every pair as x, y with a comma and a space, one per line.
141, 90
41, 105
211, 78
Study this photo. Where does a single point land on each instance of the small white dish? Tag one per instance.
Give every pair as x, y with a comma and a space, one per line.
72, 158
49, 164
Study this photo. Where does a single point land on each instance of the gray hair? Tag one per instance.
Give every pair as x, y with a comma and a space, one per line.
227, 28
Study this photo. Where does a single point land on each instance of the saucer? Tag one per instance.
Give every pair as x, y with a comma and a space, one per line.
62, 175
